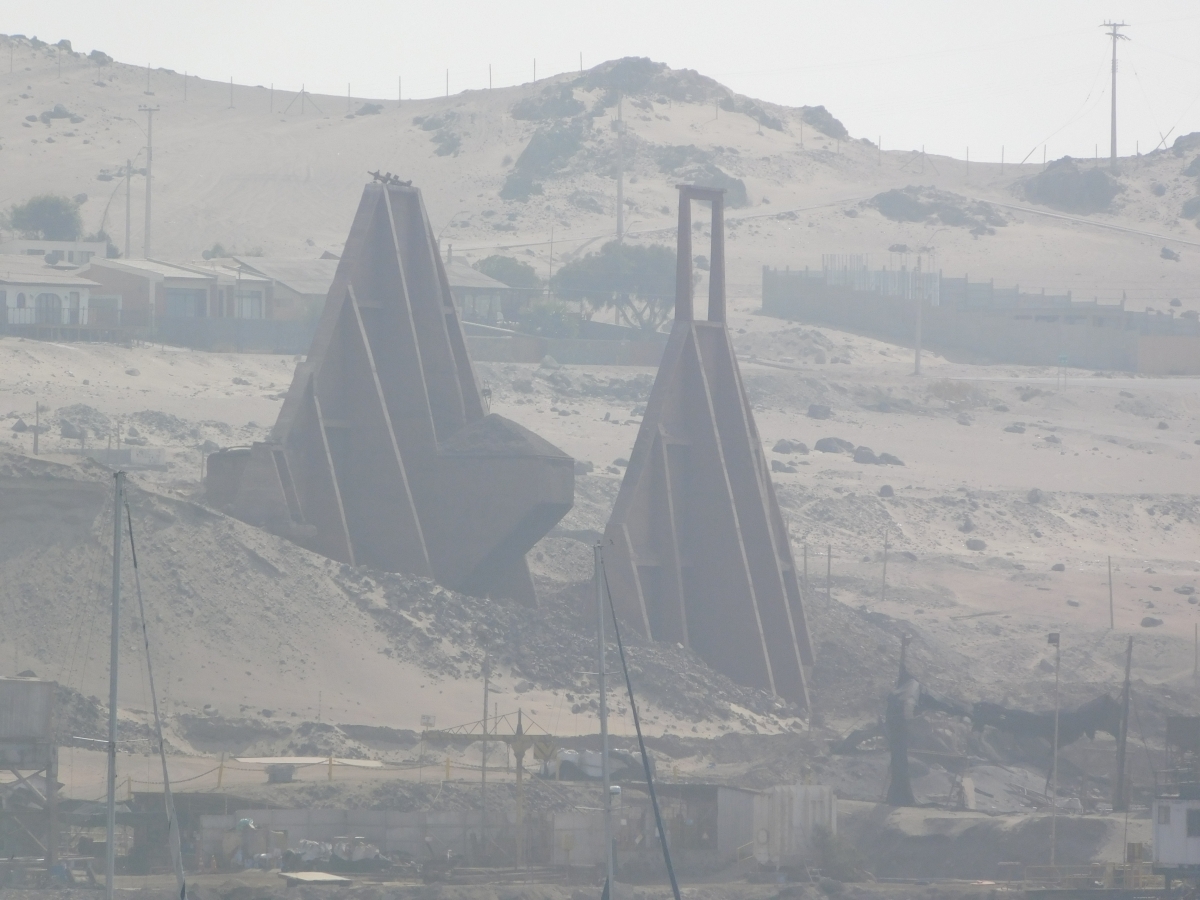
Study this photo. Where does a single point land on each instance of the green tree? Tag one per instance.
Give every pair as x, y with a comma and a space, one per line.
638, 281
47, 216
513, 272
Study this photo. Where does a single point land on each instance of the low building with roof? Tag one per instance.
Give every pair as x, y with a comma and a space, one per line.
298, 286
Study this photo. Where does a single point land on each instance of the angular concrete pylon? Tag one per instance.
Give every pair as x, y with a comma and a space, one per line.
384, 453
697, 551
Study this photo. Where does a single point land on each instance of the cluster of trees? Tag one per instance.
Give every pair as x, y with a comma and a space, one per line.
637, 281
49, 217
53, 217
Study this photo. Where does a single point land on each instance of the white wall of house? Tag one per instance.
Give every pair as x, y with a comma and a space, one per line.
42, 304
75, 253
1176, 831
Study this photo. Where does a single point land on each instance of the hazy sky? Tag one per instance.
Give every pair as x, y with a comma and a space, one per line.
946, 74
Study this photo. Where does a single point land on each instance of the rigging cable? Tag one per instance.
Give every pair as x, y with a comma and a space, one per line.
662, 834
172, 821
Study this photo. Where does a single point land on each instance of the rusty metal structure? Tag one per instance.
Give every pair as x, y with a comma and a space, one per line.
384, 452
698, 552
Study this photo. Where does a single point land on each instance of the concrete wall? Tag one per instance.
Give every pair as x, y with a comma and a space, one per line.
569, 351
1087, 335
1161, 354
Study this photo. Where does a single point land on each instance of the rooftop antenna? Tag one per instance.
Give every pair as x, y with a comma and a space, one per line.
1115, 34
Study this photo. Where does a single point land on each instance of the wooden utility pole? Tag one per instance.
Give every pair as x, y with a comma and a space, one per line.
1111, 617
1115, 33
883, 585
1120, 794
149, 111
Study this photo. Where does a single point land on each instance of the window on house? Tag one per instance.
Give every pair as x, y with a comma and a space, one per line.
249, 304
1164, 814
185, 303
1193, 823
20, 301
4, 297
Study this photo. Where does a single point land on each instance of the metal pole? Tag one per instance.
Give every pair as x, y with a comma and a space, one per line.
487, 671
1054, 763
828, 570
110, 853
1120, 797
608, 837
1115, 33
620, 173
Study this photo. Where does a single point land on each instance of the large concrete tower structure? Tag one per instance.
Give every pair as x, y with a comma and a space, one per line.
697, 550
384, 453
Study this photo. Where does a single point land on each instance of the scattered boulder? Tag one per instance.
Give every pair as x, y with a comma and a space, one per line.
549, 362
1016, 428
622, 462
976, 544
523, 385
866, 456
780, 466
833, 445
1151, 622
1186, 589
963, 419
886, 459
1168, 253
967, 526
19, 426
1058, 567
783, 445
1072, 603
1052, 439
240, 381
584, 467
70, 430
1163, 426
886, 491
1065, 186
132, 372
1035, 496
819, 411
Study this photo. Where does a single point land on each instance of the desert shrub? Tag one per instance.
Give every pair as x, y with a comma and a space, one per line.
638, 281
837, 857
957, 394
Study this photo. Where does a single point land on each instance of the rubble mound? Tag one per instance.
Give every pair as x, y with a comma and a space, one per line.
928, 204
1065, 186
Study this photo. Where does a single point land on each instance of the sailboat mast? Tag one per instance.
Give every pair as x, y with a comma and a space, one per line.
110, 850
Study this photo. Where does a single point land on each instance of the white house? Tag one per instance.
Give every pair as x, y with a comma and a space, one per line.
32, 293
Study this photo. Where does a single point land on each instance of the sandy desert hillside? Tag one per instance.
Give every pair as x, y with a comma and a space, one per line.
509, 169
1010, 490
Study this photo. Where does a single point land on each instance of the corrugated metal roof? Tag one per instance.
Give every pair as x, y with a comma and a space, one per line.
461, 275
304, 276
151, 267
